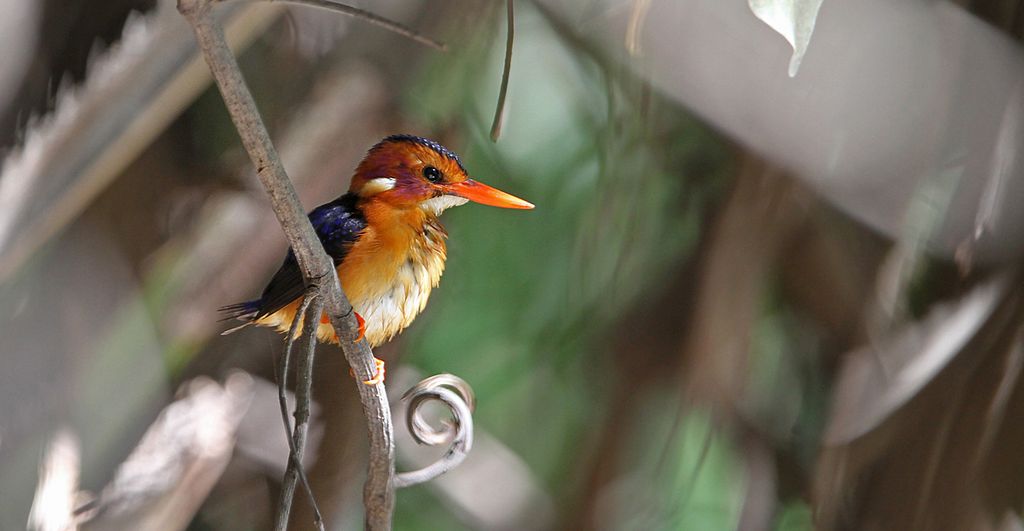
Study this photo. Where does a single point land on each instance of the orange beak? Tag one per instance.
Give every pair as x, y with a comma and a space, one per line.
486, 195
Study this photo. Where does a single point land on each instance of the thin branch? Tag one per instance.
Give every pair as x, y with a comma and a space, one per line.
303, 397
499, 112
317, 268
297, 438
372, 18
456, 394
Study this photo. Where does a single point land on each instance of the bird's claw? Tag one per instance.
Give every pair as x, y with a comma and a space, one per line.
362, 328
378, 375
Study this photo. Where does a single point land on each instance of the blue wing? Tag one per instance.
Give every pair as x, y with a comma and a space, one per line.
338, 224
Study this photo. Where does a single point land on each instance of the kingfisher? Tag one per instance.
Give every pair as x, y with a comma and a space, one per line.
385, 239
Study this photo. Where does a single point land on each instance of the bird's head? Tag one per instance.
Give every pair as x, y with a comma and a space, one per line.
405, 171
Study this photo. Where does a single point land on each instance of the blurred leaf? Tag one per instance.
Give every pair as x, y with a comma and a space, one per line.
679, 472
795, 517
908, 263
132, 93
421, 509
793, 19
165, 479
929, 417
774, 394
879, 379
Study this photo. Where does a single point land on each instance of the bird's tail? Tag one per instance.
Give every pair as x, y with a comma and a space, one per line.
243, 311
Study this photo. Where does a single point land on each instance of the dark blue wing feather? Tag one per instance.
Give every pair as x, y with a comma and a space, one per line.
338, 224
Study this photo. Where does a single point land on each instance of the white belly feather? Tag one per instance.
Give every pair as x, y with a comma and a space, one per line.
392, 308
390, 311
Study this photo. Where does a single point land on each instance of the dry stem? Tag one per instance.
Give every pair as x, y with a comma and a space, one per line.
317, 268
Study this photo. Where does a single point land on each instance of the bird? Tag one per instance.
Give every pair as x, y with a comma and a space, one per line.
384, 238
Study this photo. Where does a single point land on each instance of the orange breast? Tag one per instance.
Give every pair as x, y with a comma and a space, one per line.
387, 275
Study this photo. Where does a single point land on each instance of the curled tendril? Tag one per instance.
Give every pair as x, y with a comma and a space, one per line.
458, 396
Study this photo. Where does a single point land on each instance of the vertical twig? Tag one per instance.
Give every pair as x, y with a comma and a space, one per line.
499, 112
317, 268
308, 312
303, 398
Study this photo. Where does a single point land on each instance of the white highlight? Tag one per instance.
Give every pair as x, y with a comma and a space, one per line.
436, 205
378, 185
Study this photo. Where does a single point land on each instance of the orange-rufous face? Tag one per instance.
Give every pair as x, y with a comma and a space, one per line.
406, 171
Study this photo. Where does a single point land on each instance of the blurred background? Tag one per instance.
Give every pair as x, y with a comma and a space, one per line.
746, 299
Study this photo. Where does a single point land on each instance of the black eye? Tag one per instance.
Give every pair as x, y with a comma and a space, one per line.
432, 174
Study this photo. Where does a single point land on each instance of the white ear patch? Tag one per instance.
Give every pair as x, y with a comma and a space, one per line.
436, 205
376, 186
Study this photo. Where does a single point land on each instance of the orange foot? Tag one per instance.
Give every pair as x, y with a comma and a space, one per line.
325, 319
378, 375
362, 328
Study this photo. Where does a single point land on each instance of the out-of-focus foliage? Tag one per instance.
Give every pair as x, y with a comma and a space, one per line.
677, 337
793, 19
531, 302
